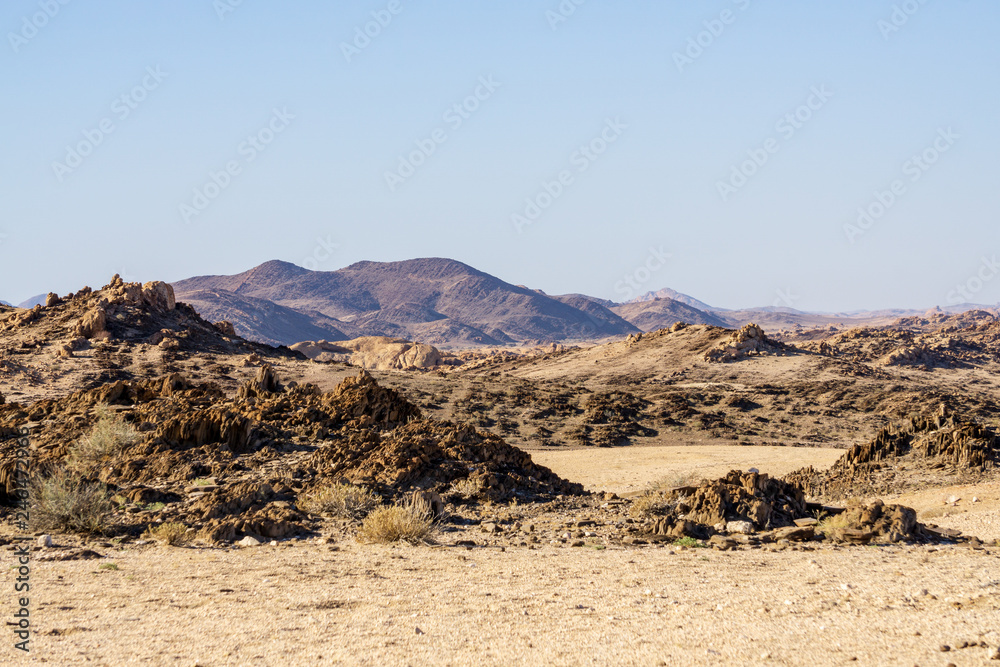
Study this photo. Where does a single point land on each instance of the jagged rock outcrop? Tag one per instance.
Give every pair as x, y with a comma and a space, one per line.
244, 460
757, 508
428, 454
748, 341
902, 455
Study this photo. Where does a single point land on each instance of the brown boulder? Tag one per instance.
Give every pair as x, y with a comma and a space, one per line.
94, 322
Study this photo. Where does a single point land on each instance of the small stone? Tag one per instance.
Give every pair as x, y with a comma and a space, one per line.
578, 543
739, 527
944, 648
489, 528
419, 631
722, 542
250, 541
794, 533
45, 541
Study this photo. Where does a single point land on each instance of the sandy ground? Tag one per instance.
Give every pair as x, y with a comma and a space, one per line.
630, 470
304, 603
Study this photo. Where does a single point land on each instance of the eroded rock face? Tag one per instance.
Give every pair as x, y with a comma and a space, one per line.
362, 400
244, 460
763, 501
159, 295
753, 506
93, 323
899, 455
262, 384
428, 454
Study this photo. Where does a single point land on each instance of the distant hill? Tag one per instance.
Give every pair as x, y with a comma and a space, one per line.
4, 303
34, 301
667, 293
662, 312
434, 300
262, 320
449, 304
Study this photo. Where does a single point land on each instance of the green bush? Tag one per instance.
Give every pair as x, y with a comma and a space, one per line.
688, 542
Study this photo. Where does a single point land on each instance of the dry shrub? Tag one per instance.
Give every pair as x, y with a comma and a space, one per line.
343, 501
678, 479
65, 501
649, 504
409, 522
834, 525
109, 437
468, 487
172, 533
654, 500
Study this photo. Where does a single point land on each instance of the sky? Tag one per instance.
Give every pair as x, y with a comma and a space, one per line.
819, 156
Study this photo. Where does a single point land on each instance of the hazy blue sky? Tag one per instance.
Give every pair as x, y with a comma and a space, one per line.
665, 120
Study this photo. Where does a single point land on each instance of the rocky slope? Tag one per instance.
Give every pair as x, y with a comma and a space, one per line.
121, 331
260, 449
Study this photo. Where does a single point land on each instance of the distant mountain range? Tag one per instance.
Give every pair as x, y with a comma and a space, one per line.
438, 301
446, 303
449, 304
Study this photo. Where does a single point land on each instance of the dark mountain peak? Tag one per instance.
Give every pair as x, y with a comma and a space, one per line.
421, 267
273, 272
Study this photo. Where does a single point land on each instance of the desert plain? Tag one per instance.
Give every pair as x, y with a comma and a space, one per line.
694, 494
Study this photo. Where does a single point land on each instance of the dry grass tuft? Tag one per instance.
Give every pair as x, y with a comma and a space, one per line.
172, 534
65, 501
468, 487
109, 437
649, 504
408, 522
344, 501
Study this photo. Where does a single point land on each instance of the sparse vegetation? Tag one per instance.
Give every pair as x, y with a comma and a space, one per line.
649, 504
409, 522
654, 500
689, 542
109, 437
154, 507
469, 487
673, 481
172, 533
108, 566
65, 501
343, 501
834, 524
